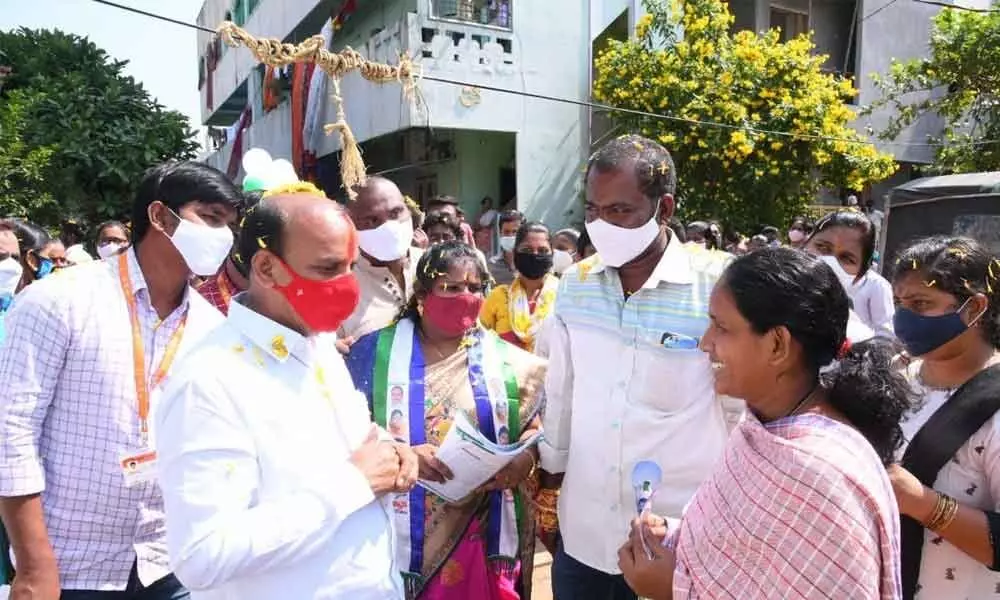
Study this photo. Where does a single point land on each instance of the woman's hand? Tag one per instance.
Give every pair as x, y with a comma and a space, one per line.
914, 499
429, 467
513, 474
648, 576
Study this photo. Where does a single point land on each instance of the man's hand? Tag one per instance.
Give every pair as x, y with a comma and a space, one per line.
344, 345
431, 468
379, 462
409, 467
36, 585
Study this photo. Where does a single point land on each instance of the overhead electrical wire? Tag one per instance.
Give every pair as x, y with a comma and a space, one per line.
609, 108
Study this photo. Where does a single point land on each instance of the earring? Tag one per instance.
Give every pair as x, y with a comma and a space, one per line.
420, 308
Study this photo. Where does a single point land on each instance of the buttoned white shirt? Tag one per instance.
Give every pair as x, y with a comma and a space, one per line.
256, 431
69, 412
618, 394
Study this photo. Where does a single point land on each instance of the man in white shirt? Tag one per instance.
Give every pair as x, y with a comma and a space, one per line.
80, 372
273, 474
626, 380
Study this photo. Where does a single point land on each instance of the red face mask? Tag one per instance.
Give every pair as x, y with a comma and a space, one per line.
322, 305
453, 315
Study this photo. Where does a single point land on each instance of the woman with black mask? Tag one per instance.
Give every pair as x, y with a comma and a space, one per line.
516, 311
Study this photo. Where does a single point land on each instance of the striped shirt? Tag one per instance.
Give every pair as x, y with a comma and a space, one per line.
627, 383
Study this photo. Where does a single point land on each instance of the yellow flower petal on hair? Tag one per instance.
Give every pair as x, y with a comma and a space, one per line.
238, 349
930, 283
260, 242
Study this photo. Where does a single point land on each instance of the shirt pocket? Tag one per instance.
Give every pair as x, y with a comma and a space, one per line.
671, 372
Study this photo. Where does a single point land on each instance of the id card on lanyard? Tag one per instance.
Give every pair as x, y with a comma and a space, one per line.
140, 467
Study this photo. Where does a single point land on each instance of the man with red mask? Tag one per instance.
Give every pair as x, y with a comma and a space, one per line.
273, 475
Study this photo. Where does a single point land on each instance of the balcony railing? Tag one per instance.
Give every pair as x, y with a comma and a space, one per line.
492, 13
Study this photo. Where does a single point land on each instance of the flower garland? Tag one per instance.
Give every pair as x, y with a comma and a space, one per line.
524, 323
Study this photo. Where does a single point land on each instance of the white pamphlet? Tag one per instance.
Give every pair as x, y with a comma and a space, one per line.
472, 458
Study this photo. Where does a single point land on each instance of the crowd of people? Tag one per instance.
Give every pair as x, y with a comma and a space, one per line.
242, 397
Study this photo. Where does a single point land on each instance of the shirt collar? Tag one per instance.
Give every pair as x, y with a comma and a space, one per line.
273, 338
139, 280
674, 266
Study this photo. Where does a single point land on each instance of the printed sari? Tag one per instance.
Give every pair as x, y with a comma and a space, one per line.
798, 508
454, 545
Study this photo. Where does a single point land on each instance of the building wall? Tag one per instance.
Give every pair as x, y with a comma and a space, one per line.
551, 139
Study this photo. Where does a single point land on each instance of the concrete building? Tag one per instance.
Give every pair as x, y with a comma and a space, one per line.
470, 139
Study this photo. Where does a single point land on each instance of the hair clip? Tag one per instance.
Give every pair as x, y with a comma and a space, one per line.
260, 242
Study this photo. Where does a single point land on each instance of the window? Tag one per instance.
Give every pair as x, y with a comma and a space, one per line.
496, 13
791, 23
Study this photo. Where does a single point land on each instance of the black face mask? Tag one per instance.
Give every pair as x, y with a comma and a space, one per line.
532, 266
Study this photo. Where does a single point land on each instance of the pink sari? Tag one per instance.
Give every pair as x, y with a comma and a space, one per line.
799, 508
467, 574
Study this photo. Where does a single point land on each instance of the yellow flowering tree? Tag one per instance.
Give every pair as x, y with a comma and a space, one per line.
685, 63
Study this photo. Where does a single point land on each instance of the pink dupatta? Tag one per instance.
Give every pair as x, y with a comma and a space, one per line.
799, 508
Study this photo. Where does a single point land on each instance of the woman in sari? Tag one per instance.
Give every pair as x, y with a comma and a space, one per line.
516, 311
800, 506
420, 374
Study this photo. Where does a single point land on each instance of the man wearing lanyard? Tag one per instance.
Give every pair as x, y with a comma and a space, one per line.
80, 373
274, 477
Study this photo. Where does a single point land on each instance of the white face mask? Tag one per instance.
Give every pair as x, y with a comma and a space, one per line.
387, 242
845, 278
561, 260
108, 250
204, 248
618, 245
507, 243
10, 276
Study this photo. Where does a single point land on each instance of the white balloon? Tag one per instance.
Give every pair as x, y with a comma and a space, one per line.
256, 161
282, 172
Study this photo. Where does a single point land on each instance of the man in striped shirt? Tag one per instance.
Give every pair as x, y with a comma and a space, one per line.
626, 381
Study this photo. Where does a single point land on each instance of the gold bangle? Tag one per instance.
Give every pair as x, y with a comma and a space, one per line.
936, 513
948, 514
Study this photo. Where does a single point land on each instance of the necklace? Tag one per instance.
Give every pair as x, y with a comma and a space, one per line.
803, 402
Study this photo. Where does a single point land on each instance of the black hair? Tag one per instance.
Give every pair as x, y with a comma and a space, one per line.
177, 184
30, 237
803, 224
676, 226
851, 219
770, 232
569, 233
443, 200
442, 218
654, 167
959, 266
108, 224
71, 233
863, 386
583, 243
531, 227
438, 259
509, 216
263, 227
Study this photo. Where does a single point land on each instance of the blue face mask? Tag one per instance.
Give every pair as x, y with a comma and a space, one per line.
921, 334
45, 268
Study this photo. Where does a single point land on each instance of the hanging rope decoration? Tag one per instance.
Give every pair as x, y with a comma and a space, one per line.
274, 53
